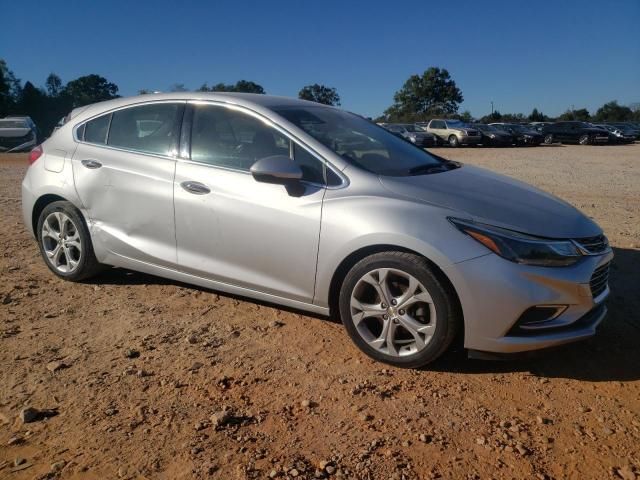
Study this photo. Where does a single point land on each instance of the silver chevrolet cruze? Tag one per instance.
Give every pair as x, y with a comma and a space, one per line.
308, 206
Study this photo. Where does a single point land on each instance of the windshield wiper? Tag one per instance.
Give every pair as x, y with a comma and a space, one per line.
434, 168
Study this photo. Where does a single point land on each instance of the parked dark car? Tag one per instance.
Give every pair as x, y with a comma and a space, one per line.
17, 134
538, 126
618, 134
413, 133
628, 126
575, 132
494, 137
522, 134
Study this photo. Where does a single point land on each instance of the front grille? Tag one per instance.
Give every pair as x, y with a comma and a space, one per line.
594, 245
599, 279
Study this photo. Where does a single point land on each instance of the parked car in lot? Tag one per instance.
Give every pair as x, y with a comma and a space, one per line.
617, 134
305, 205
575, 132
412, 133
494, 137
454, 132
522, 134
17, 134
632, 127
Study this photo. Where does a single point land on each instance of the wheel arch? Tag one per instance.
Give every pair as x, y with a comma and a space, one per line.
40, 204
354, 257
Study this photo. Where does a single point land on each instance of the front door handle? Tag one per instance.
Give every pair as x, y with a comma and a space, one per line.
92, 164
196, 188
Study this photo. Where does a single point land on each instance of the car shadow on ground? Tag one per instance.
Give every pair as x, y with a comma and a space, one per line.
612, 355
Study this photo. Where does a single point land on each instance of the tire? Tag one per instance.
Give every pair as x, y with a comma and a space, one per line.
584, 139
548, 139
453, 141
428, 336
74, 259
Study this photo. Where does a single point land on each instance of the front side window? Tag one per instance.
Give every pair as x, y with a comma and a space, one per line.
228, 138
359, 141
148, 128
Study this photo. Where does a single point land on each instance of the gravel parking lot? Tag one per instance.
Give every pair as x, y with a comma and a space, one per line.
142, 378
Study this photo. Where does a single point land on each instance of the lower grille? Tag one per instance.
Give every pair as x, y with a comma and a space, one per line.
599, 280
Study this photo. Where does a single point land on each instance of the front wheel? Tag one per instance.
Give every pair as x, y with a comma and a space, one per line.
584, 140
397, 311
548, 139
453, 141
65, 243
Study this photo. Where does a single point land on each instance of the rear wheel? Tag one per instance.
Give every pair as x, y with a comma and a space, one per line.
65, 243
453, 141
397, 311
548, 139
584, 139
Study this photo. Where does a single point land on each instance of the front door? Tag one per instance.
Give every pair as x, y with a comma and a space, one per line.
231, 228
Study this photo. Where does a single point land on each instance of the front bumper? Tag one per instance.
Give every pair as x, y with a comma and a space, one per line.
469, 140
495, 293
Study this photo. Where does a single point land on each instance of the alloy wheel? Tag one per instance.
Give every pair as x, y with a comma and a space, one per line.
393, 312
61, 242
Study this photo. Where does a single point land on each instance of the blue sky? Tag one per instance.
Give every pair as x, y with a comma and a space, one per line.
549, 54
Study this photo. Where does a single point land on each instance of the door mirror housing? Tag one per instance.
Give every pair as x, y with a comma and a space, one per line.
276, 169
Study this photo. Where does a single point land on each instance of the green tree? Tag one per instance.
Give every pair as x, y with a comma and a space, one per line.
90, 89
178, 87
423, 96
53, 84
612, 112
495, 116
581, 115
466, 117
243, 86
33, 102
536, 116
9, 89
320, 94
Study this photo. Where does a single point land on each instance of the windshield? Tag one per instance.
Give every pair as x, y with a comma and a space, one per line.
360, 142
13, 124
486, 128
457, 124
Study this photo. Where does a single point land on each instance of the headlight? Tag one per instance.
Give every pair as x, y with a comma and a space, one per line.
493, 135
519, 247
412, 138
528, 136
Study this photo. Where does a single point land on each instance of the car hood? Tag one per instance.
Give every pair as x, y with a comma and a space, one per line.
497, 200
14, 132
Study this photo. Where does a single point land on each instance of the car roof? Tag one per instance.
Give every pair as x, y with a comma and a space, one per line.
254, 101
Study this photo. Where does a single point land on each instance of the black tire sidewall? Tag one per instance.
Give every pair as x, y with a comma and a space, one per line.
419, 269
85, 240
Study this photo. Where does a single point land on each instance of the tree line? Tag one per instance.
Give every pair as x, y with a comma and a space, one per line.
422, 97
435, 94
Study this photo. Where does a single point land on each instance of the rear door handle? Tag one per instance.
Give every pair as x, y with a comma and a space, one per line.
196, 188
92, 164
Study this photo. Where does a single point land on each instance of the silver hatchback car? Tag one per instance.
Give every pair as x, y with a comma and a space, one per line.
308, 206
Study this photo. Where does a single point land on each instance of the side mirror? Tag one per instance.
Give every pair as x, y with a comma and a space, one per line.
276, 169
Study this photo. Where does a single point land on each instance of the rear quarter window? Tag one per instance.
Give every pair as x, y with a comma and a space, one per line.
95, 131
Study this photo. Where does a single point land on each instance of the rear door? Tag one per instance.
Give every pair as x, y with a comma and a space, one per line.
123, 171
231, 228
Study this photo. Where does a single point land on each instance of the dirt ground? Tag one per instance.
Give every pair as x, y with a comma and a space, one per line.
148, 379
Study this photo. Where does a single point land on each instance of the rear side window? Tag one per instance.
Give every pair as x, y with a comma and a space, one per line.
95, 131
148, 128
437, 124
